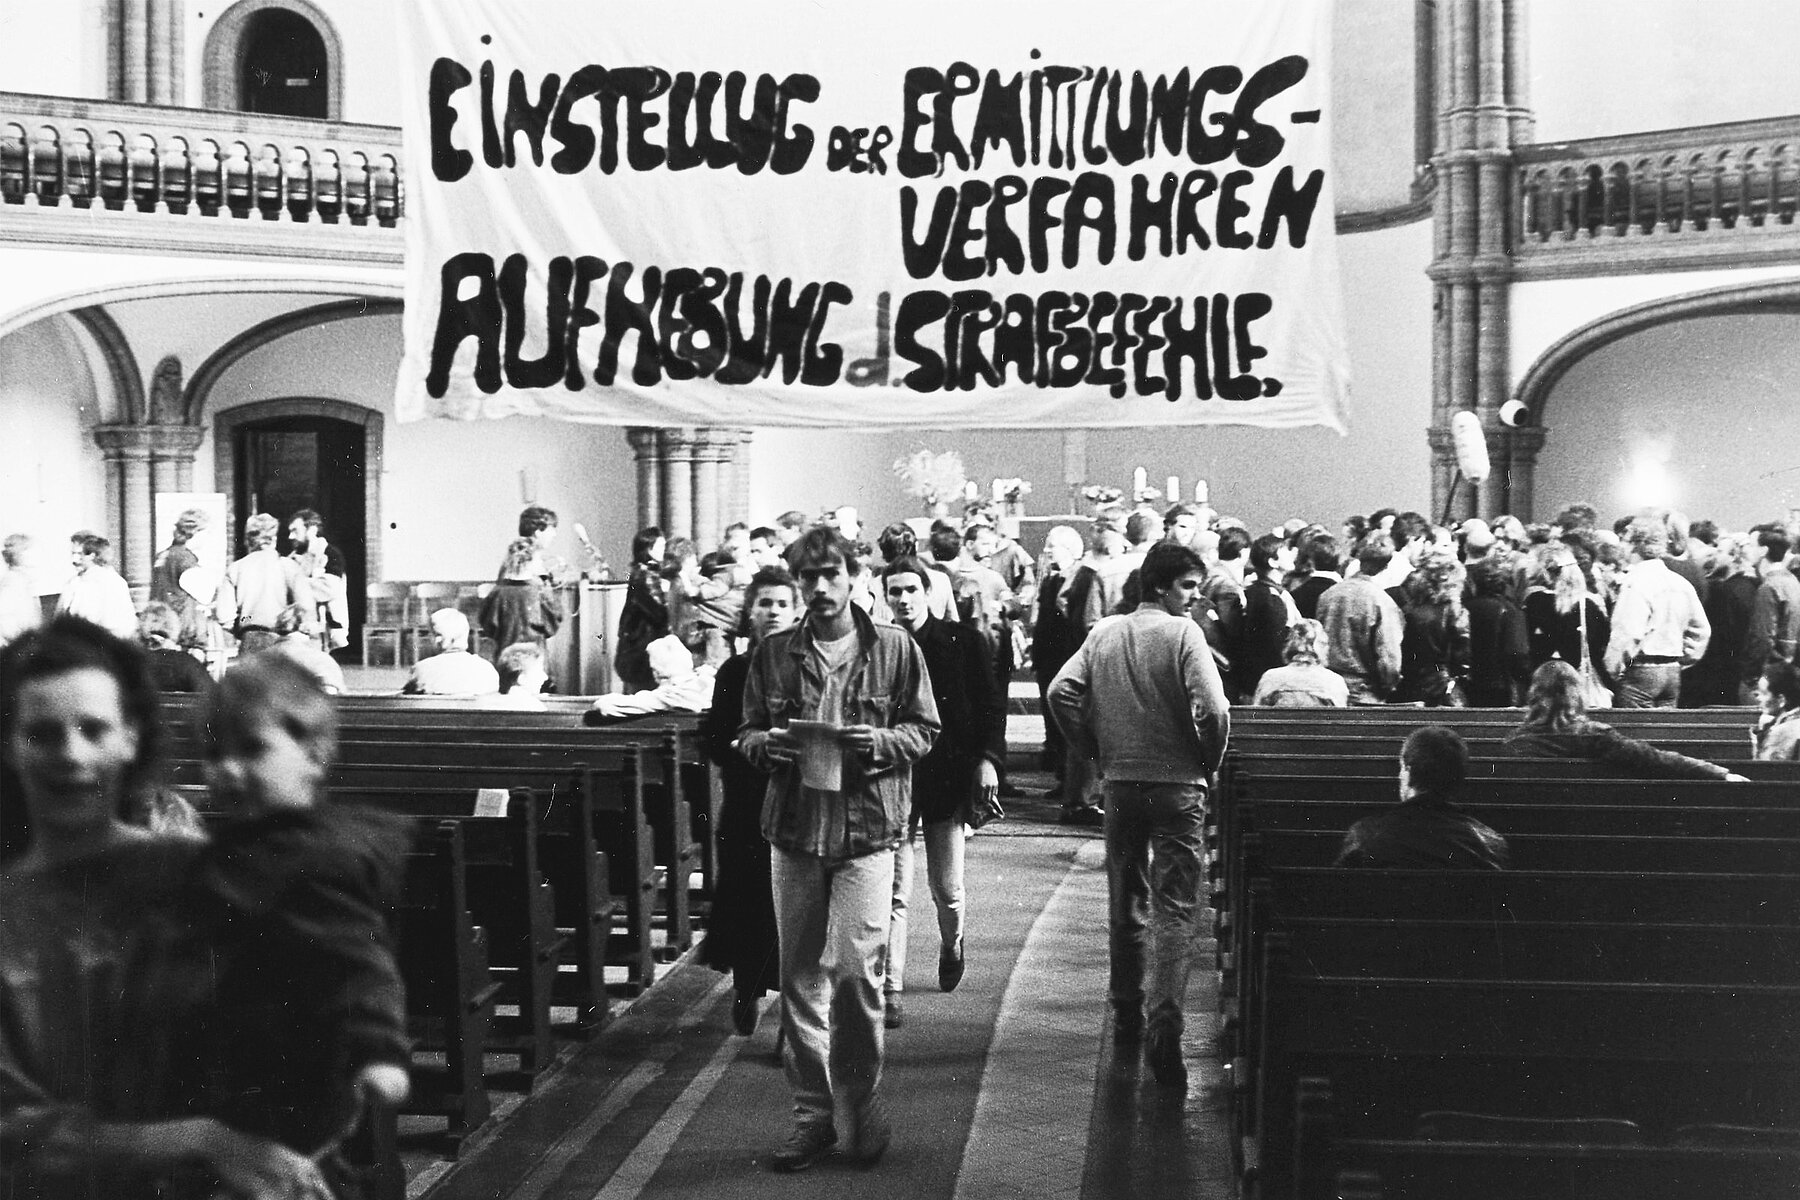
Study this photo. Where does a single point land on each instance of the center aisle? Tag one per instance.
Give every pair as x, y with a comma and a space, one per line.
1006, 1087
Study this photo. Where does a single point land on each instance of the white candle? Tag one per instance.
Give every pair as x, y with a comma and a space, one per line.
1173, 492
970, 491
1199, 491
1140, 479
997, 491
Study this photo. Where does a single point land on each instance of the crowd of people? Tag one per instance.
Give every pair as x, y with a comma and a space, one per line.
855, 700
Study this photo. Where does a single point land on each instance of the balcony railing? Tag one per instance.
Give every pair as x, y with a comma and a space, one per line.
204, 164
1715, 184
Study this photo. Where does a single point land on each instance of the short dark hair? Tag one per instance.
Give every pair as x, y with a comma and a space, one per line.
1374, 552
308, 518
1409, 526
1784, 680
644, 541
1324, 554
945, 544
1775, 544
897, 541
1263, 551
1704, 531
1436, 758
819, 545
764, 579
534, 518
1175, 512
762, 533
908, 564
1233, 541
1164, 563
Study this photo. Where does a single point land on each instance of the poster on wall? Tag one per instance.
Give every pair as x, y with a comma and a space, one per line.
968, 214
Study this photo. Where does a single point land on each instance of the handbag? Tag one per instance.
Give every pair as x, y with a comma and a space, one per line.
1594, 692
983, 808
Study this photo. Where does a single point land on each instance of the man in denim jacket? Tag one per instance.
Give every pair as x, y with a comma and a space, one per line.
833, 850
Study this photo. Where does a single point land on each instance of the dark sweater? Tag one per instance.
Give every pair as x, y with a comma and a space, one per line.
1602, 743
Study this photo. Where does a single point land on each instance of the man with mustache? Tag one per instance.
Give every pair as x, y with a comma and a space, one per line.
836, 809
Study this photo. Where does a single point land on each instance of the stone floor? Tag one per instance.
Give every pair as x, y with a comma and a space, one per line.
1008, 1087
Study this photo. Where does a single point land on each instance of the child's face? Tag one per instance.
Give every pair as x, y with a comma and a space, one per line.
270, 766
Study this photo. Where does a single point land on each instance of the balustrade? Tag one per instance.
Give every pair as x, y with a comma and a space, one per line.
60, 153
1743, 176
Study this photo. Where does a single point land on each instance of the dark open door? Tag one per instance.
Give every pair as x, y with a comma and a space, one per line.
290, 463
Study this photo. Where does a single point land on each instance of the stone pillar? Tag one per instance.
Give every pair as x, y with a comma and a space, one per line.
737, 493
1481, 115
646, 453
678, 482
1521, 448
142, 460
145, 50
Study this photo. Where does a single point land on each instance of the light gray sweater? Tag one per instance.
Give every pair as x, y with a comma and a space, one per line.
1143, 698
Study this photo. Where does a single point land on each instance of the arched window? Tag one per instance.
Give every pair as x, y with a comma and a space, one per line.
280, 57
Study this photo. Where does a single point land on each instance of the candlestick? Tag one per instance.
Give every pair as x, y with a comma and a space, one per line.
998, 493
970, 491
1140, 478
1199, 491
1173, 491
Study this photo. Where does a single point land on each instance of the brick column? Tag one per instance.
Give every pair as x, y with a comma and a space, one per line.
646, 453
142, 460
678, 481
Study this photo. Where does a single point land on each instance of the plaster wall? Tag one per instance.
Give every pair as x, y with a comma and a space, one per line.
1700, 415
55, 481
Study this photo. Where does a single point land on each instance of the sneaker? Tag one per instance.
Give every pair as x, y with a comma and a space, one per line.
950, 966
891, 1016
1164, 1056
873, 1133
805, 1146
744, 1014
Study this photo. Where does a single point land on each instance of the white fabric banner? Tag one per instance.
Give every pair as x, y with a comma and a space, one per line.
938, 214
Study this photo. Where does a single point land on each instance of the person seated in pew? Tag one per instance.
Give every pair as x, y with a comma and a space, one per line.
1776, 736
522, 679
300, 644
288, 913
171, 668
453, 670
1305, 682
1426, 830
680, 687
1556, 725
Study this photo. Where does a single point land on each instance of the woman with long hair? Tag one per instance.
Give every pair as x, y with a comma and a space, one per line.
741, 938
645, 614
1434, 650
1557, 605
1556, 725
89, 901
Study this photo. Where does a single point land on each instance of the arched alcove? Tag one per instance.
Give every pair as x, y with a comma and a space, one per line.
262, 34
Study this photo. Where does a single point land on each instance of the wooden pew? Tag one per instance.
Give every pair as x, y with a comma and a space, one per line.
450, 993
1560, 852
1663, 1055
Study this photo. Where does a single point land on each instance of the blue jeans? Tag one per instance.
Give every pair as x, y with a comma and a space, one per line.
831, 916
944, 867
1153, 875
1649, 685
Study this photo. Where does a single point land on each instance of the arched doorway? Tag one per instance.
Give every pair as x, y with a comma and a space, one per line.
283, 71
280, 456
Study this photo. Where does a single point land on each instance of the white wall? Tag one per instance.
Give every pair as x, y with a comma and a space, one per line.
54, 481
1715, 401
1602, 67
450, 490
56, 48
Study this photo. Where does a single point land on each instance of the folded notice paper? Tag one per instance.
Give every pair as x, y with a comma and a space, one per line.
821, 756
490, 802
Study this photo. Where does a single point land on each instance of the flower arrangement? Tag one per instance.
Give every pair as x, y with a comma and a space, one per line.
1100, 495
934, 479
1013, 491
1145, 495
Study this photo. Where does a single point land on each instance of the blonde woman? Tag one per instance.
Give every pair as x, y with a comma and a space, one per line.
1434, 651
1557, 605
1305, 682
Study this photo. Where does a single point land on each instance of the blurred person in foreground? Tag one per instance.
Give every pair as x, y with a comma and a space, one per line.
1776, 736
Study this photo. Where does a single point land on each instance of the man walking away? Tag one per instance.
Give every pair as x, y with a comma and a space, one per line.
1143, 699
